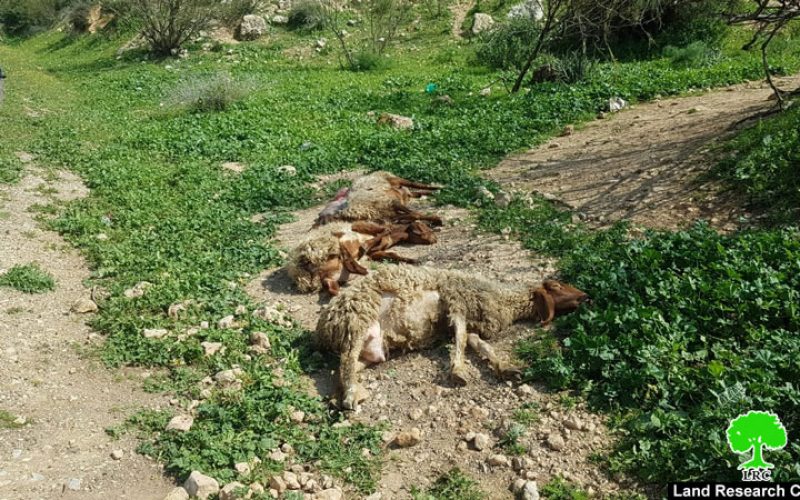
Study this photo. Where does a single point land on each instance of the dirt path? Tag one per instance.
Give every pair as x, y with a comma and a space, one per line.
65, 399
641, 164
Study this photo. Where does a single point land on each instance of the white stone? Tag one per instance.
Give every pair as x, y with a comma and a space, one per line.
529, 9
252, 27
201, 486
229, 491
481, 22
178, 493
180, 423
155, 333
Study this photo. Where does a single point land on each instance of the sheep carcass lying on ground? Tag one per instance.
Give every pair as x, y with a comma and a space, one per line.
330, 253
409, 308
379, 196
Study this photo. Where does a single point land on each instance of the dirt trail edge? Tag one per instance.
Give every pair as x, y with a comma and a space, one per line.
62, 400
642, 164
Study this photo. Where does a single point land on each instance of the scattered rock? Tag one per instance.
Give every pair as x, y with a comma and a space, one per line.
617, 104
573, 424
137, 290
396, 121
226, 323
251, 27
568, 130
290, 478
524, 391
297, 416
279, 20
289, 170
256, 488
117, 454
521, 463
24, 157
178, 493
278, 484
180, 423
498, 461
481, 22
277, 456
74, 484
502, 199
485, 193
445, 99
232, 491
177, 308
229, 378
154, 333
486, 92
272, 315
84, 305
530, 491
555, 441
481, 442
259, 342
321, 44
212, 348
529, 9
243, 468
406, 439
201, 486
234, 166
329, 494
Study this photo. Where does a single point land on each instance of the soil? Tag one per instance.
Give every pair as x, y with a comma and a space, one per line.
48, 378
644, 164
460, 10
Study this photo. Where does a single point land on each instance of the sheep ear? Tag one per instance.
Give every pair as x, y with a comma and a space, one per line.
545, 306
349, 251
331, 285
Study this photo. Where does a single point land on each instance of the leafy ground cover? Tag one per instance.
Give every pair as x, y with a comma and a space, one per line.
28, 278
763, 162
172, 217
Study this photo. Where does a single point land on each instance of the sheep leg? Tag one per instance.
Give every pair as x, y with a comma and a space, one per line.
352, 392
382, 255
366, 227
501, 367
404, 215
458, 370
412, 186
386, 240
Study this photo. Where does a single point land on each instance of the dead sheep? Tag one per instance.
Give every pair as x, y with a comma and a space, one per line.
378, 196
330, 254
410, 308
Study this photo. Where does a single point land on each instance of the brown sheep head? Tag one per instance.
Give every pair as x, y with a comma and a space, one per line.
555, 298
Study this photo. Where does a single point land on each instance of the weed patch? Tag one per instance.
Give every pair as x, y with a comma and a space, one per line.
28, 278
454, 485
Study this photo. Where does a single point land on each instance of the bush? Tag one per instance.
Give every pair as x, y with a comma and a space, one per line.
168, 24
508, 46
366, 60
209, 93
694, 55
306, 15
235, 10
573, 67
25, 17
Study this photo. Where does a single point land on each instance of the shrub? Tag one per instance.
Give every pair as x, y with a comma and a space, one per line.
209, 93
25, 17
507, 46
694, 55
168, 24
233, 11
454, 485
573, 67
306, 15
29, 278
366, 60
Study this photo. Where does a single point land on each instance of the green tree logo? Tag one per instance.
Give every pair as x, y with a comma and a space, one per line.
756, 430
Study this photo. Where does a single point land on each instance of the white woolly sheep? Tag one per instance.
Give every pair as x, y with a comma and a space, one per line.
410, 308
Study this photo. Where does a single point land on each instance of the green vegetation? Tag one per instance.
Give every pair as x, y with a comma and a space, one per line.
174, 218
763, 163
9, 421
454, 485
28, 278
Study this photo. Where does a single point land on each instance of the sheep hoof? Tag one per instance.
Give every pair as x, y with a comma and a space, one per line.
459, 375
353, 397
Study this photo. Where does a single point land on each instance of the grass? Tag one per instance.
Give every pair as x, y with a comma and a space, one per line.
28, 278
174, 219
454, 485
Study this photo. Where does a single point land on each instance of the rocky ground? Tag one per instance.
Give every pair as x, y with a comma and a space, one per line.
60, 398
